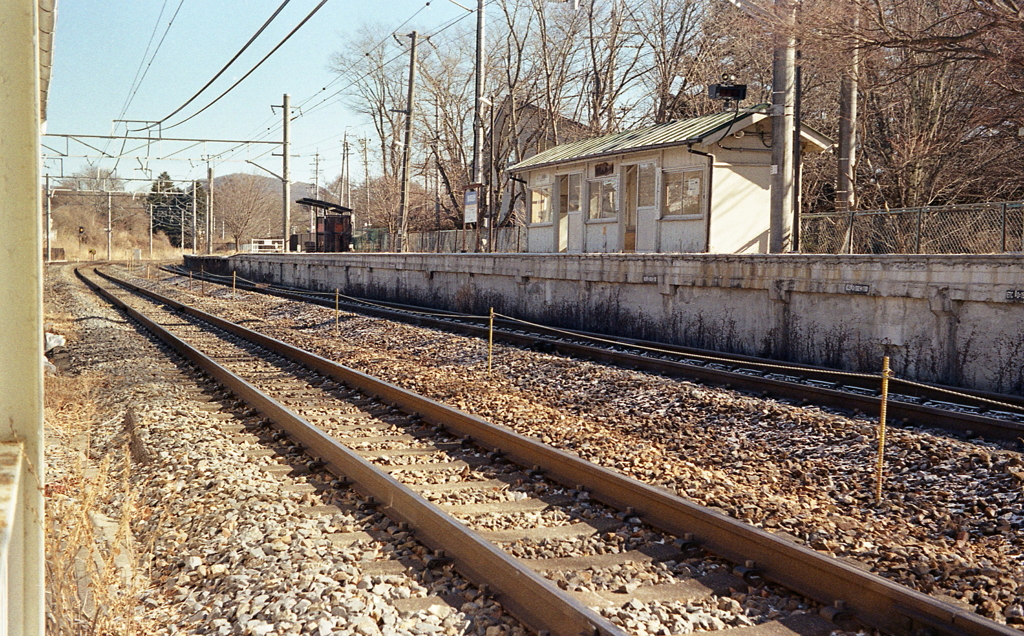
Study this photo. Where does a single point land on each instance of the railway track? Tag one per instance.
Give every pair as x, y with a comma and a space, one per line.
963, 412
549, 534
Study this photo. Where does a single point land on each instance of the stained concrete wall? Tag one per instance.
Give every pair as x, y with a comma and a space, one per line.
940, 318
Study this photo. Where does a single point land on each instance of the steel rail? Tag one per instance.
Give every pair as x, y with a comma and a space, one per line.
890, 607
532, 599
962, 423
403, 312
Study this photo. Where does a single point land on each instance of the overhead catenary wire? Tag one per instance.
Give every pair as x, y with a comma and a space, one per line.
225, 67
260, 135
253, 69
134, 88
142, 62
320, 104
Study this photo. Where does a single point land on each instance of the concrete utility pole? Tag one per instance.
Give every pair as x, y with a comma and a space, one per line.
110, 227
410, 109
49, 254
846, 198
366, 176
195, 193
783, 165
209, 210
316, 192
286, 177
478, 93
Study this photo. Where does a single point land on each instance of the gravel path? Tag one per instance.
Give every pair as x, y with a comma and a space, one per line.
952, 512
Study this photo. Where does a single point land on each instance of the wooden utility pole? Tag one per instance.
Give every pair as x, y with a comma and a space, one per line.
410, 109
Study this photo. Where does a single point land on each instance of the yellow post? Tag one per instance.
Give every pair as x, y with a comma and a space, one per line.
232, 283
490, 342
881, 430
337, 317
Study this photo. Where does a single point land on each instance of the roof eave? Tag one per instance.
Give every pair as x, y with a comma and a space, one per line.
610, 153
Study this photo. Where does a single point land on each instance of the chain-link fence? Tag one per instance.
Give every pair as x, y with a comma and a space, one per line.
984, 228
505, 239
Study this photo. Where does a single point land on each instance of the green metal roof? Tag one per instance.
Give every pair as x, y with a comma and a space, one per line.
673, 133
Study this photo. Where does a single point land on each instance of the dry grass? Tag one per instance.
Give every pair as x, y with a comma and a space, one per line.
89, 559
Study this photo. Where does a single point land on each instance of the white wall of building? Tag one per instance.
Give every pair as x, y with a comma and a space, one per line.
734, 187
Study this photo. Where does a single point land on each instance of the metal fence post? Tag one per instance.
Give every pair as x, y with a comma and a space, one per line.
1002, 242
917, 244
849, 249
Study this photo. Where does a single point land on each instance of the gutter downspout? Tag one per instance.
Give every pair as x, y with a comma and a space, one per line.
711, 170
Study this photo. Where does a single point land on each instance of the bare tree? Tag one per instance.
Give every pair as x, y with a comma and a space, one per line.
248, 205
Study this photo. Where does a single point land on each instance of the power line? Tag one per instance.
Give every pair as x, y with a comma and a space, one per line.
131, 88
263, 132
258, 64
272, 129
152, 57
230, 62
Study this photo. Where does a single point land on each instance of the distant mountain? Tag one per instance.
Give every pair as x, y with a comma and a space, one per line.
300, 190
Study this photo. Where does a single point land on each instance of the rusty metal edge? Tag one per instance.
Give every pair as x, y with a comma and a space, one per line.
916, 414
888, 606
525, 594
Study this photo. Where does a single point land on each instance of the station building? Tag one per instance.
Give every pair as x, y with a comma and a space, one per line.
692, 185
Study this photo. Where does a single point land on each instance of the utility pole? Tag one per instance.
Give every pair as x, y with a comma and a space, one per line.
209, 210
478, 93
286, 177
783, 85
316, 192
410, 109
49, 254
195, 195
348, 175
437, 176
110, 228
846, 198
344, 198
366, 176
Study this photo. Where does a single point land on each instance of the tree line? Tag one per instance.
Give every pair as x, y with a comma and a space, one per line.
940, 86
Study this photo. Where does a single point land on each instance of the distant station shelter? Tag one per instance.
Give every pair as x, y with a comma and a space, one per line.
692, 185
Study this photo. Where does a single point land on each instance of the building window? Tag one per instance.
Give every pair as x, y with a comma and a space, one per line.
569, 193
645, 186
683, 192
603, 197
540, 205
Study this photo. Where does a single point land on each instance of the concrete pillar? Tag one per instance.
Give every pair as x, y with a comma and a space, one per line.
21, 320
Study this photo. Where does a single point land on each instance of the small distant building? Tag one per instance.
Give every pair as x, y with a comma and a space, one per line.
692, 185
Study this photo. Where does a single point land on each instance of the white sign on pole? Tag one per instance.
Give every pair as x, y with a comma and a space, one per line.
469, 202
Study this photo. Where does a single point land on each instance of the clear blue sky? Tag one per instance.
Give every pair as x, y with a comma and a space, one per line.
99, 45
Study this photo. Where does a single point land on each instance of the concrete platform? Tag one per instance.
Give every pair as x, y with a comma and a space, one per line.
956, 319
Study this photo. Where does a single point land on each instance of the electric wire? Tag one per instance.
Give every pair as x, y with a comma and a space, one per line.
445, 26
225, 67
228, 154
253, 69
142, 62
